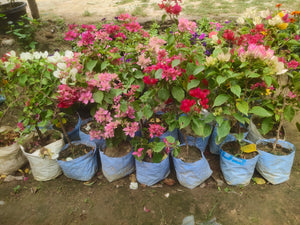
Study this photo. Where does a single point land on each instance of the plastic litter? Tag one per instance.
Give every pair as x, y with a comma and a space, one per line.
133, 185
10, 178
189, 220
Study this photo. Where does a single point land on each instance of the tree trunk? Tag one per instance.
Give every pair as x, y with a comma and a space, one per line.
34, 9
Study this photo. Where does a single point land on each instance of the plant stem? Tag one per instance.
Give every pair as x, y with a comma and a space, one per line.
64, 131
280, 124
39, 132
186, 144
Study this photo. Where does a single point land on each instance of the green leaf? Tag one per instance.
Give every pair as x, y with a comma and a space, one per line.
236, 89
158, 74
268, 80
267, 125
123, 106
289, 113
192, 84
91, 65
221, 79
244, 64
243, 107
175, 62
220, 99
148, 112
103, 65
22, 80
171, 40
198, 70
98, 97
198, 127
253, 75
163, 18
239, 118
163, 94
224, 129
170, 139
207, 130
158, 146
184, 121
298, 126
178, 93
260, 111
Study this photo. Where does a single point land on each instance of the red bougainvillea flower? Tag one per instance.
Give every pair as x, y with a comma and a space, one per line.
151, 81
228, 35
186, 105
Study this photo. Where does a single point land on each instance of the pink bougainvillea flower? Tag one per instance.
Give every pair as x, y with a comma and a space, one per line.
156, 130
212, 33
292, 95
138, 153
131, 129
297, 37
20, 126
149, 153
186, 25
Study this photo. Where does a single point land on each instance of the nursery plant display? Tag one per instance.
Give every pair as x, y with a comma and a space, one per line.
200, 77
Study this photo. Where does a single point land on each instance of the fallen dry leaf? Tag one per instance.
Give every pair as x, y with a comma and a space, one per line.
169, 181
132, 178
258, 180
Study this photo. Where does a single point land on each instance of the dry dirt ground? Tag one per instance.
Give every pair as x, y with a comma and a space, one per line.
66, 201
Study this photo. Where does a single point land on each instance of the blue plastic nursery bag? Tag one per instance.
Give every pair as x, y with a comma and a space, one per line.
150, 173
82, 168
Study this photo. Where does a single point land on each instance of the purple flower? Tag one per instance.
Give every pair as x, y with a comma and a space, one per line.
202, 36
204, 44
228, 21
207, 53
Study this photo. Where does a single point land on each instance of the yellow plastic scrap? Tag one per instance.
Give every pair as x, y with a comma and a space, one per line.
26, 170
249, 148
3, 176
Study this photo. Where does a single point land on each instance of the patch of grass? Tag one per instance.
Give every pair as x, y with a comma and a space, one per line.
121, 11
86, 13
139, 11
123, 2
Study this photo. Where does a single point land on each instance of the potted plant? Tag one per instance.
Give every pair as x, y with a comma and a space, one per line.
276, 155
152, 157
11, 11
233, 69
30, 74
174, 83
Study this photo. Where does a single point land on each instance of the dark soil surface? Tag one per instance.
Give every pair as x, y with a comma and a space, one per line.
118, 151
74, 151
279, 150
193, 154
234, 148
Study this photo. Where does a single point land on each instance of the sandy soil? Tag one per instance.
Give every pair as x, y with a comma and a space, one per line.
72, 11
